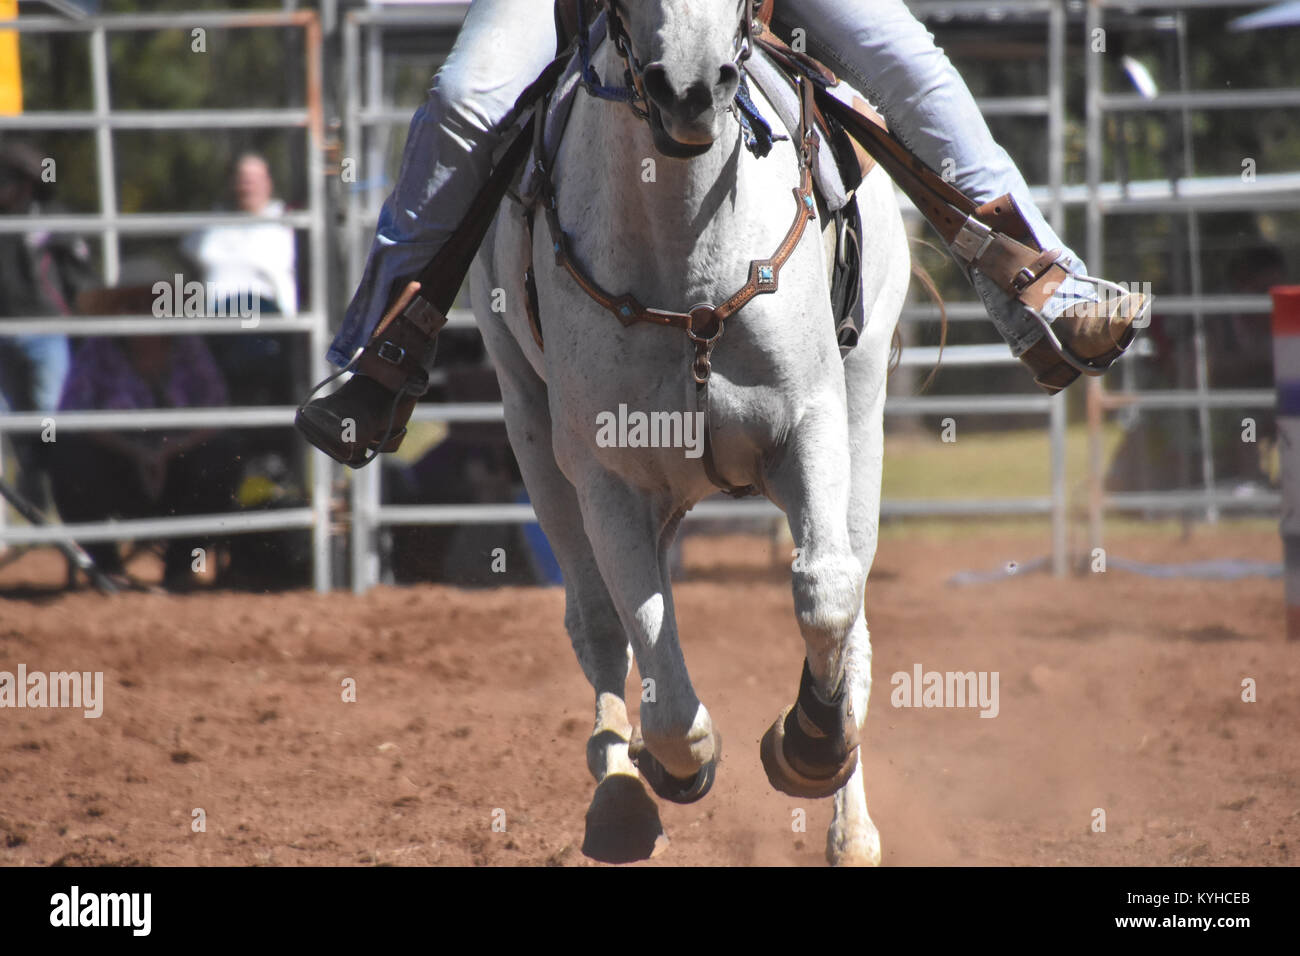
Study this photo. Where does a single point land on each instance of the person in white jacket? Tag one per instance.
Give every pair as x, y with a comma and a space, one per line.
248, 271
250, 261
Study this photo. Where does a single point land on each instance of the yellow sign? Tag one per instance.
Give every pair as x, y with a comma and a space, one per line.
11, 76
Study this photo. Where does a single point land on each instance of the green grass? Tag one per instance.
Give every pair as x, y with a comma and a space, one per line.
1011, 464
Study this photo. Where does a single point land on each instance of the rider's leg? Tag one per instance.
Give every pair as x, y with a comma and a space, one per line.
501, 48
879, 47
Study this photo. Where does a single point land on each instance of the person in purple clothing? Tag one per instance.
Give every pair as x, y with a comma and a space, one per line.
98, 475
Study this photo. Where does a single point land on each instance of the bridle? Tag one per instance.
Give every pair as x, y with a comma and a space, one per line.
758, 135
622, 41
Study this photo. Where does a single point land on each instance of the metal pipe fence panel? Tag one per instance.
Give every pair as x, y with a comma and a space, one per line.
111, 224
1188, 196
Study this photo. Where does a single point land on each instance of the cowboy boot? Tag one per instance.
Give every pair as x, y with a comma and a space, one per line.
368, 414
1086, 337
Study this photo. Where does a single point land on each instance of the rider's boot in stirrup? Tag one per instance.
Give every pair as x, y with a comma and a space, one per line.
368, 414
1088, 336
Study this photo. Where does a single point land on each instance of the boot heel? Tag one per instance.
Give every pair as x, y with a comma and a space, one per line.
394, 442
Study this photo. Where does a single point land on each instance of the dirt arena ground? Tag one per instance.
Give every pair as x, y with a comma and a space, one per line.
1117, 692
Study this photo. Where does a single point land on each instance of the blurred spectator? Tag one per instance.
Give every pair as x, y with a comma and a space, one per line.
100, 475
257, 257
41, 274
251, 263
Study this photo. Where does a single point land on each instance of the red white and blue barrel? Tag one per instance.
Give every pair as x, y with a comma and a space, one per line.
1286, 373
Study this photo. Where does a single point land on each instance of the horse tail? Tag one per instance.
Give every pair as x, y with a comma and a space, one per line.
896, 349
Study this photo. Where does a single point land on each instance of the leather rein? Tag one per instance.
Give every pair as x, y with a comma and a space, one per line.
704, 323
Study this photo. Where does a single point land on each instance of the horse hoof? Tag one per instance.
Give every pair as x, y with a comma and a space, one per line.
663, 783
623, 822
785, 778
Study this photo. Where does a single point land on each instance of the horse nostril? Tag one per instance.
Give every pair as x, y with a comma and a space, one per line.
657, 86
728, 77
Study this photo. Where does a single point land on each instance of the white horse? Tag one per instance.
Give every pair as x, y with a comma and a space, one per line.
787, 415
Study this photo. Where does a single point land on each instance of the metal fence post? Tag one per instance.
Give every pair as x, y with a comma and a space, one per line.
323, 466
1057, 420
1092, 61
111, 251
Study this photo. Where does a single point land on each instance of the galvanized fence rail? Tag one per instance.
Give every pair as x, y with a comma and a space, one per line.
1189, 196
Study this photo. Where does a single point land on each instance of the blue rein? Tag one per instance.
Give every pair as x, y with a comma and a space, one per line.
757, 130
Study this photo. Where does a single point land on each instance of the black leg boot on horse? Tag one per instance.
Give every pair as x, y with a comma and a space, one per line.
812, 748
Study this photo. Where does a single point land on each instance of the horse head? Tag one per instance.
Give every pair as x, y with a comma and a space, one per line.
685, 58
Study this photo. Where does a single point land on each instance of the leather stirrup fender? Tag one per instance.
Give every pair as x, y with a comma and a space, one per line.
1022, 270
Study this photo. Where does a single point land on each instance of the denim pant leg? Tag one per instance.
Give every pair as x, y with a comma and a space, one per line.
49, 358
502, 47
880, 48
33, 369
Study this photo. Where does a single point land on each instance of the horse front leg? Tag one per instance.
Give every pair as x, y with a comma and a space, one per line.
622, 821
676, 748
853, 839
812, 748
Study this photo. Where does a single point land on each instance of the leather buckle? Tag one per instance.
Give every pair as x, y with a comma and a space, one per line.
1023, 279
972, 239
391, 353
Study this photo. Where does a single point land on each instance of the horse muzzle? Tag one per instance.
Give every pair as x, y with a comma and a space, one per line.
672, 141
686, 119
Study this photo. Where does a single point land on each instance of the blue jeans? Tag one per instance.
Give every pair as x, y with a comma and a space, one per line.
878, 46
32, 371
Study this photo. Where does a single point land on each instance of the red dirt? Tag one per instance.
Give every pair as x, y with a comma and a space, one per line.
1117, 691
